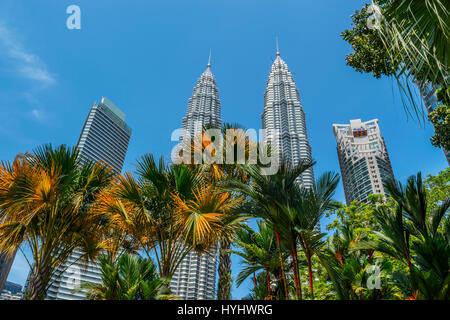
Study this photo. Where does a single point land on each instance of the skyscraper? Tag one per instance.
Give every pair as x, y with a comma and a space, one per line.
363, 159
284, 113
105, 137
204, 105
195, 277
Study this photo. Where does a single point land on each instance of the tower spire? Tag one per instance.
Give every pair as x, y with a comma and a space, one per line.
209, 60
278, 50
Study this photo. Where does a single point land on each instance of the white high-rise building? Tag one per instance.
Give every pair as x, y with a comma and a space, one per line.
363, 159
195, 277
105, 137
283, 113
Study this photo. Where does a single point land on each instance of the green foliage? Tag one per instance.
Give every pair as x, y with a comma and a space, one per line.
419, 235
259, 292
418, 33
407, 237
369, 53
440, 118
258, 251
410, 43
359, 215
129, 278
438, 188
292, 211
350, 262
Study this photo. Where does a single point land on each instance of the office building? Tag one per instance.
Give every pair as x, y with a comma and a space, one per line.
11, 291
363, 158
283, 119
105, 137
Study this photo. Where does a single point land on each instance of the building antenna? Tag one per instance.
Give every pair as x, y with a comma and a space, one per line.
209, 60
278, 50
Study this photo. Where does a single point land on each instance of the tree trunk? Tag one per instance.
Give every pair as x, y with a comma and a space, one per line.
37, 284
282, 266
308, 256
268, 283
298, 288
410, 267
224, 285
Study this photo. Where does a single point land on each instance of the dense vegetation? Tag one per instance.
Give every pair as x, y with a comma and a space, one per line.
394, 249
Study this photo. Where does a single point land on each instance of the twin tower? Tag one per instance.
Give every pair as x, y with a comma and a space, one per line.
195, 277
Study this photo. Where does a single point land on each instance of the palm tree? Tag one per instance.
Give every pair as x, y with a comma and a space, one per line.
273, 193
393, 239
145, 208
417, 33
129, 278
429, 229
347, 265
234, 138
417, 236
202, 218
308, 208
45, 204
212, 217
260, 289
259, 253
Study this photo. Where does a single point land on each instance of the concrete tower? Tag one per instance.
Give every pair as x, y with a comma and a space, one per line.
363, 159
283, 113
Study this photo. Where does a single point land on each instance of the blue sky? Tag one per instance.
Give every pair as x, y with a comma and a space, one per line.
146, 57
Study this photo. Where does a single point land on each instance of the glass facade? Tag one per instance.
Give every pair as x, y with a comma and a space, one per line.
105, 137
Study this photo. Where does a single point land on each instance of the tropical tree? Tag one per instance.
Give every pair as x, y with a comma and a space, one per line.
201, 219
45, 204
271, 193
437, 188
369, 53
309, 206
440, 118
221, 153
145, 209
417, 236
258, 249
129, 278
352, 268
409, 41
430, 229
350, 258
212, 217
261, 287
